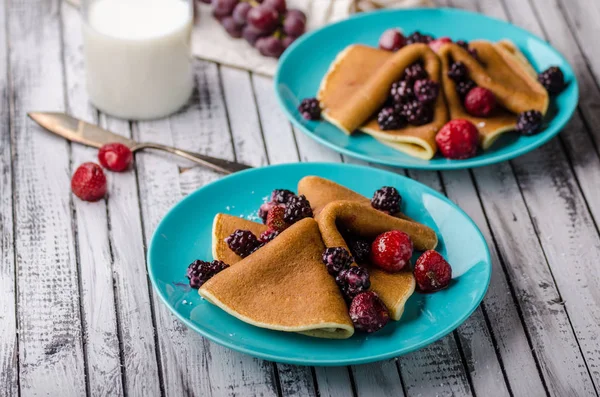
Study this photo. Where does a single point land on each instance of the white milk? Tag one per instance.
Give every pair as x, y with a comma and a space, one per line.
137, 56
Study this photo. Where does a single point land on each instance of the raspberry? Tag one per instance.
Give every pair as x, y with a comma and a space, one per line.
402, 92
336, 259
390, 119
391, 251
392, 40
268, 235
281, 196
435, 45
463, 88
529, 122
242, 242
296, 209
457, 139
426, 91
264, 209
115, 157
480, 102
458, 72
368, 312
432, 272
418, 37
275, 219
552, 79
200, 272
89, 182
360, 249
310, 109
414, 72
352, 281
417, 113
386, 199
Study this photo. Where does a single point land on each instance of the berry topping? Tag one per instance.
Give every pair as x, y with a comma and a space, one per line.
418, 37
368, 312
387, 199
552, 79
426, 91
337, 259
417, 113
360, 249
296, 209
268, 235
529, 122
458, 72
353, 280
457, 139
89, 182
389, 118
463, 88
275, 219
463, 44
402, 91
281, 196
392, 40
432, 272
200, 272
242, 242
115, 157
435, 45
391, 251
414, 72
264, 209
480, 102
310, 109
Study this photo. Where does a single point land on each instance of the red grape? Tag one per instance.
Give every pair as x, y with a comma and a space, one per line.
205, 1
251, 34
392, 40
223, 8
277, 5
263, 18
293, 25
287, 41
240, 12
269, 46
296, 13
234, 29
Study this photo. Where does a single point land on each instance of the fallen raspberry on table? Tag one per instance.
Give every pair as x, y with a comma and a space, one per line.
200, 272
115, 157
458, 139
275, 219
368, 313
480, 102
336, 259
432, 272
242, 242
391, 251
89, 182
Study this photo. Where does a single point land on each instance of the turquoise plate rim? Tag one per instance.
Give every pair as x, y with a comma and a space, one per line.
545, 136
320, 362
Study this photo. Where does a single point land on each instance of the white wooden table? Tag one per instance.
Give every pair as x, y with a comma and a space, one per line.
78, 316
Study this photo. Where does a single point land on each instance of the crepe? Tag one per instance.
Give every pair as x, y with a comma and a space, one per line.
223, 226
357, 85
284, 286
504, 71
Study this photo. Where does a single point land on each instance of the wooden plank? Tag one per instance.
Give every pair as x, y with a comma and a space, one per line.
95, 258
9, 365
50, 344
383, 377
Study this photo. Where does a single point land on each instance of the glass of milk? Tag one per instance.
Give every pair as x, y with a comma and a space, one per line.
137, 56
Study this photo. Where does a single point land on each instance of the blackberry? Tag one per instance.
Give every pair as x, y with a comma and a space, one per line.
268, 235
310, 109
297, 208
200, 272
387, 199
242, 242
458, 72
552, 79
417, 113
529, 122
426, 91
352, 281
361, 250
463, 44
418, 37
414, 72
402, 91
337, 259
390, 119
474, 54
281, 196
463, 88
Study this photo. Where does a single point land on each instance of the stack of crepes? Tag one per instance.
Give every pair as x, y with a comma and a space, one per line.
284, 285
358, 83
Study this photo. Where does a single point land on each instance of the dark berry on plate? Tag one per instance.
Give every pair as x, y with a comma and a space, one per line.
368, 313
275, 219
199, 272
437, 44
389, 118
473, 53
426, 90
268, 235
296, 209
392, 40
480, 102
242, 242
269, 46
310, 109
463, 44
281, 196
432, 272
418, 37
415, 72
552, 79
89, 182
353, 280
463, 88
387, 199
458, 72
529, 122
417, 113
391, 251
115, 157
360, 249
337, 259
402, 91
457, 139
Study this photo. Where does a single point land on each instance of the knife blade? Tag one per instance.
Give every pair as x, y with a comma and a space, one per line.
78, 130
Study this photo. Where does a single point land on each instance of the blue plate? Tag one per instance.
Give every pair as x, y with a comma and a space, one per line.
304, 64
185, 235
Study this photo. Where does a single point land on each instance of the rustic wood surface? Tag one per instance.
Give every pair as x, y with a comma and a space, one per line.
79, 317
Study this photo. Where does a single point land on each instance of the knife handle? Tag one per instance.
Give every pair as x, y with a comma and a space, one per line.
219, 165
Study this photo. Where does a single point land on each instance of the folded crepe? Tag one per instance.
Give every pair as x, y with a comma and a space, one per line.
284, 286
358, 84
223, 226
503, 70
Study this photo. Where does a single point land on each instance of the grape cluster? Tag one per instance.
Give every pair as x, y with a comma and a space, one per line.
268, 25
